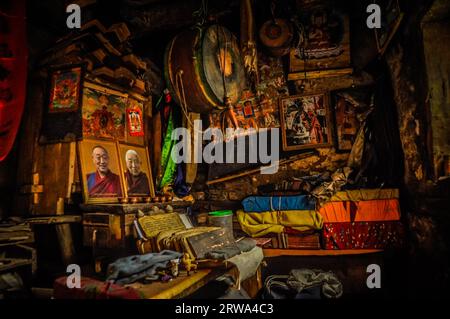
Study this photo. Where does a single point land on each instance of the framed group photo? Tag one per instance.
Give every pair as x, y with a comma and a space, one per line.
305, 121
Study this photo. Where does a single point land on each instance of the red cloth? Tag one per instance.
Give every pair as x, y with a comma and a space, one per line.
363, 235
92, 289
13, 73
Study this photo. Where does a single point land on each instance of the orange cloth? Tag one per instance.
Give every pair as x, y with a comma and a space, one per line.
370, 210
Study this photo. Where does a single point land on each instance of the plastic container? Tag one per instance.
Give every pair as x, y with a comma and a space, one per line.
222, 218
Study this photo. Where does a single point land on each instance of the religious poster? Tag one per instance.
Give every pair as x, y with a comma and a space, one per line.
136, 171
65, 90
135, 117
305, 122
103, 112
258, 110
326, 43
100, 169
349, 107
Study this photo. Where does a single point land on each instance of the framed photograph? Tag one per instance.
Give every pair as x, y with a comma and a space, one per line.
391, 17
65, 90
100, 171
136, 171
305, 121
103, 112
349, 107
326, 44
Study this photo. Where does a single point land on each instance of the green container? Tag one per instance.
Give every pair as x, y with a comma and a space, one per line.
222, 218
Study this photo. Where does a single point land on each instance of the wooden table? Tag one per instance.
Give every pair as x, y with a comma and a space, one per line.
179, 287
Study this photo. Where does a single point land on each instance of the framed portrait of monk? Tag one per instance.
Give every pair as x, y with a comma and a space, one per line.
100, 171
136, 171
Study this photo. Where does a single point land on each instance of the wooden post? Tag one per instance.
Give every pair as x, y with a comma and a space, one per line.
64, 234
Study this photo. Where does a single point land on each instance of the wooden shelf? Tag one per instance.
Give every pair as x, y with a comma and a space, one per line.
319, 252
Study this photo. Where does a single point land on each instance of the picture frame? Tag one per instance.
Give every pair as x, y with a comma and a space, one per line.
391, 18
136, 119
65, 89
349, 106
326, 46
100, 171
305, 121
136, 171
103, 112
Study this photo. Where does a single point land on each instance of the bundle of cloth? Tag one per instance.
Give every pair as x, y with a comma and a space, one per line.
264, 215
362, 219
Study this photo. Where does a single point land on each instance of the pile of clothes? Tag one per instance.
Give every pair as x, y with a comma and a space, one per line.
349, 219
293, 218
362, 219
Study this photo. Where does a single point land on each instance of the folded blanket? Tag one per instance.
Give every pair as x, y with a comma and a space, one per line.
231, 250
130, 269
260, 224
275, 203
365, 194
369, 210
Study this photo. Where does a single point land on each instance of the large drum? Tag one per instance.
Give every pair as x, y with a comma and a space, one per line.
207, 66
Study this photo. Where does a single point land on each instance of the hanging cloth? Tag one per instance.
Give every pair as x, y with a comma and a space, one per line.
167, 164
13, 72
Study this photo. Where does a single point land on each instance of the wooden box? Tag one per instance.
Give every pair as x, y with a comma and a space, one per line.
106, 230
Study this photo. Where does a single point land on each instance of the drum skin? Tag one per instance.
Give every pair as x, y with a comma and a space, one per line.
211, 66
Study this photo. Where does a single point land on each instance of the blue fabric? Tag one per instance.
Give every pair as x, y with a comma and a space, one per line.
276, 203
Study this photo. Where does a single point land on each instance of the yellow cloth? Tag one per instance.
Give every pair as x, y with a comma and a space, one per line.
260, 224
365, 194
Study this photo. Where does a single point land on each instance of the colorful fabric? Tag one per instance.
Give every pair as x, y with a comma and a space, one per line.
363, 235
258, 224
365, 194
276, 203
92, 289
370, 210
167, 163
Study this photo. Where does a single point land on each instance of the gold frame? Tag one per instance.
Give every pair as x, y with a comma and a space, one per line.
326, 101
83, 171
123, 165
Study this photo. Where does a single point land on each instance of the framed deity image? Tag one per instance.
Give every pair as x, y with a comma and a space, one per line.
305, 121
100, 171
103, 112
326, 44
349, 107
65, 90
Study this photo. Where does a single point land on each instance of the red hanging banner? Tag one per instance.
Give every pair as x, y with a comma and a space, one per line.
13, 71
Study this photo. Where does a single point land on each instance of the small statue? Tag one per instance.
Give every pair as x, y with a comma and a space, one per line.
174, 271
189, 263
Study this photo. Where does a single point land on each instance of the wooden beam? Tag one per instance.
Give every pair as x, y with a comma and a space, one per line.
319, 74
258, 170
64, 219
268, 252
